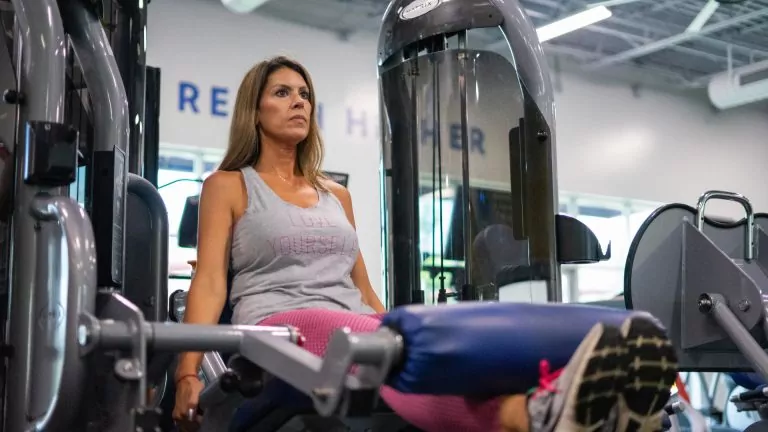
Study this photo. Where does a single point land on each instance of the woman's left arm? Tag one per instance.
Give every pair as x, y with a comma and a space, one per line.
359, 272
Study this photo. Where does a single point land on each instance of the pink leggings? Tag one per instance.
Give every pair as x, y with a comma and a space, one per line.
426, 412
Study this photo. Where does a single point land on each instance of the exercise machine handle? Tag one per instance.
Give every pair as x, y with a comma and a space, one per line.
749, 234
65, 288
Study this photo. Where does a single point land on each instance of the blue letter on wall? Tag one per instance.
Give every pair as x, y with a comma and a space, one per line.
218, 101
188, 93
355, 121
427, 134
477, 141
319, 115
456, 136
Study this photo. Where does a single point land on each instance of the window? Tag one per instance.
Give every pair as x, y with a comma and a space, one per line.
613, 220
180, 172
77, 189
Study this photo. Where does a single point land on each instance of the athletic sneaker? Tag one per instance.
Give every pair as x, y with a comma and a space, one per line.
651, 365
581, 397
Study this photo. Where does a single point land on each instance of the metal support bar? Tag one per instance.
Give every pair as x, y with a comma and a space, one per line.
627, 21
632, 20
152, 125
101, 74
674, 40
468, 212
40, 53
111, 130
109, 335
327, 381
129, 47
630, 38
716, 305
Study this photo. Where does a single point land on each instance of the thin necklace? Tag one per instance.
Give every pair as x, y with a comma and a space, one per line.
281, 177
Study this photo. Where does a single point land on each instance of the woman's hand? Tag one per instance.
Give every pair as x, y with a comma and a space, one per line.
185, 412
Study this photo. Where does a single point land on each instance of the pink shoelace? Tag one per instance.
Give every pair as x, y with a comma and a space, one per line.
547, 378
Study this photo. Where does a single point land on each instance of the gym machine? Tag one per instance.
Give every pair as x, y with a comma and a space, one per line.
469, 157
81, 335
706, 281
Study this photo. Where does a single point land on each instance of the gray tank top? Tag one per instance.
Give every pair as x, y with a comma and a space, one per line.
286, 257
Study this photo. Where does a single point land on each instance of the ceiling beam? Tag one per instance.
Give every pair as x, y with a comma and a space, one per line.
714, 42
630, 39
674, 40
661, 72
635, 38
755, 28
635, 21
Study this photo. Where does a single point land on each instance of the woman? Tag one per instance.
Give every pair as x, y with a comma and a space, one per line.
289, 235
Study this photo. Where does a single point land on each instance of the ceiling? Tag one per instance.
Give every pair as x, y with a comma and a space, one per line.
647, 35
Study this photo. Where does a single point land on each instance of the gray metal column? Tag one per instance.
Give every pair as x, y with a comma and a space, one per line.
129, 46
42, 71
8, 114
111, 124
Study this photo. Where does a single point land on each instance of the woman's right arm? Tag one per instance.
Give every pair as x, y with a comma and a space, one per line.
208, 290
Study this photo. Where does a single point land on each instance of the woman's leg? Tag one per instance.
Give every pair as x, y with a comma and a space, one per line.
513, 414
430, 413
582, 396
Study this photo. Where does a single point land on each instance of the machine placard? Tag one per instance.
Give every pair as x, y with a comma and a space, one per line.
109, 186
339, 178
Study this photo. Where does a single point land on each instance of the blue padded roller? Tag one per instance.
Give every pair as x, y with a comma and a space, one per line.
748, 380
486, 349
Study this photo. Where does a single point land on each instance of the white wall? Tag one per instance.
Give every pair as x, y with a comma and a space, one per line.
656, 146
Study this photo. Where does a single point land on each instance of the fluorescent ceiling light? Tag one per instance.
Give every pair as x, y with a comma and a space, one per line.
704, 15
611, 3
572, 23
242, 6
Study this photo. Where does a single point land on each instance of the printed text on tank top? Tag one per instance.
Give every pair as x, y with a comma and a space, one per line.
310, 238
285, 256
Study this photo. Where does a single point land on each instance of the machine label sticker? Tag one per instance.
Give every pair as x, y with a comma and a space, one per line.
418, 8
50, 317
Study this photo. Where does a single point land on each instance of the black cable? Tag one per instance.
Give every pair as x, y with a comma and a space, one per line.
197, 180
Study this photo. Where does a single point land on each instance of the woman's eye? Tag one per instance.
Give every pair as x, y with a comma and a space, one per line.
305, 95
282, 92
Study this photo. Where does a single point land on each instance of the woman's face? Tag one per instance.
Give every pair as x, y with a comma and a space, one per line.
284, 108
